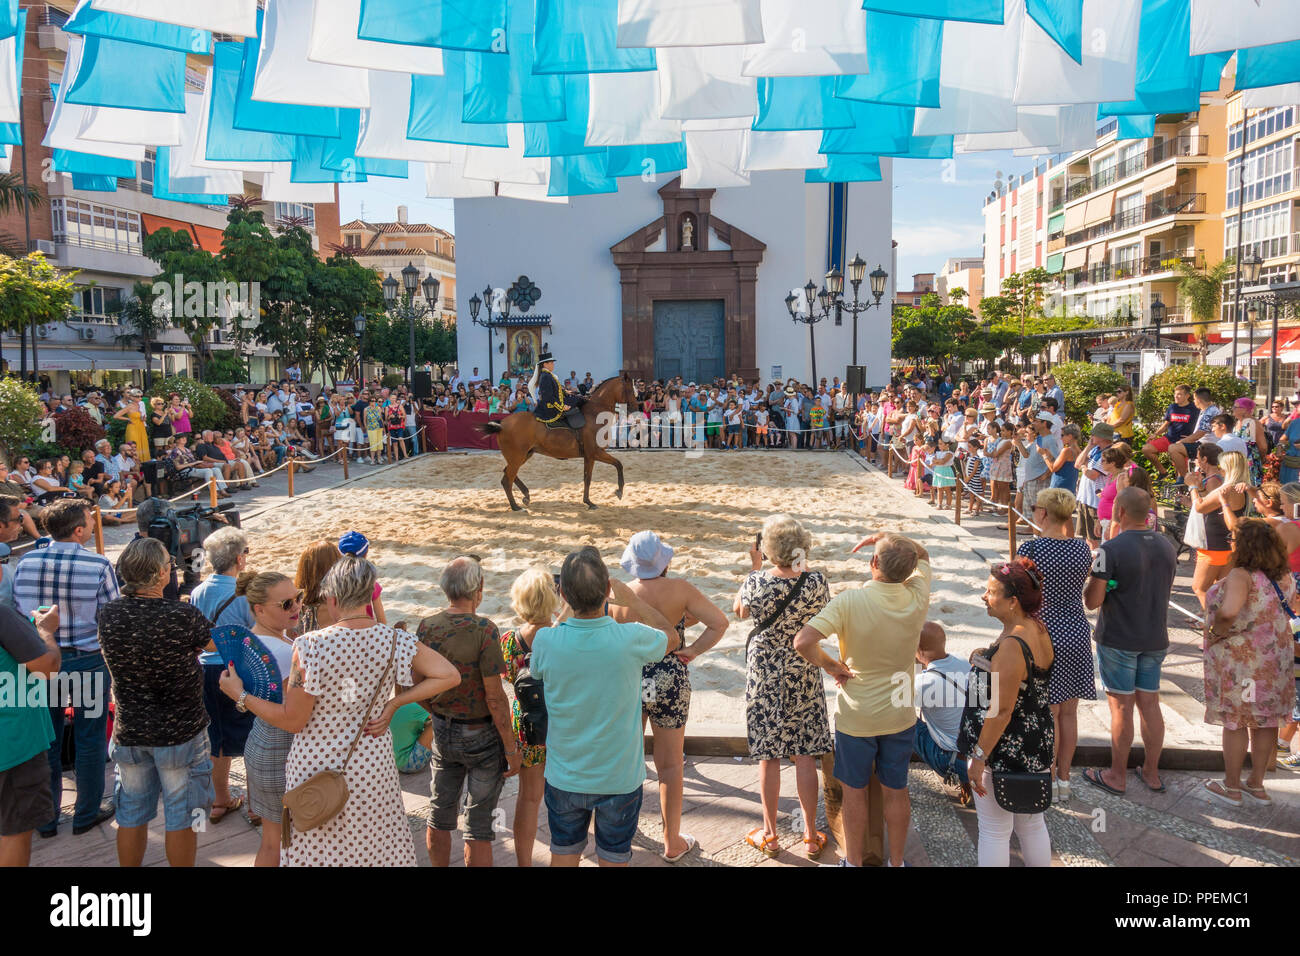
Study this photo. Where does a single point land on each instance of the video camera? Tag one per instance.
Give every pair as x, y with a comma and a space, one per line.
183, 531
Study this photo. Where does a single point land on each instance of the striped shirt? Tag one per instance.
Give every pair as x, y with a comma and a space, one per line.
79, 581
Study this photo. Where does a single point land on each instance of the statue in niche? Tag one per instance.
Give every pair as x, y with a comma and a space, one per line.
688, 234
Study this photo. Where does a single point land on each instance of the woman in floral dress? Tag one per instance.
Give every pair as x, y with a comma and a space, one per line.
1251, 431
1249, 647
785, 701
533, 598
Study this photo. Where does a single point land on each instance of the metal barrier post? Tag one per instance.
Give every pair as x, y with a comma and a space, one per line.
291, 461
99, 530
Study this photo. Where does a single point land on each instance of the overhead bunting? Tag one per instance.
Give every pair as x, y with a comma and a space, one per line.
543, 99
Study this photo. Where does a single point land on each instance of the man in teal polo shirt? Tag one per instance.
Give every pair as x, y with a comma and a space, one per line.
26, 732
590, 667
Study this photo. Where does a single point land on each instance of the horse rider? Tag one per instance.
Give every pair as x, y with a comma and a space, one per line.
552, 404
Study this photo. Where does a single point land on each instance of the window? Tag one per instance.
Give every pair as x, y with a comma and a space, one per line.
1264, 123
96, 302
1103, 172
1265, 231
146, 172
101, 227
916, 300
352, 240
1268, 172
290, 211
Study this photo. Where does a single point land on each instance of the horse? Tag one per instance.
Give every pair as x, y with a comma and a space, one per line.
521, 435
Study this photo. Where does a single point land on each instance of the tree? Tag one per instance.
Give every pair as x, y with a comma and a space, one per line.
1025, 291
1082, 382
1202, 290
995, 309
32, 292
141, 326
180, 292
13, 193
20, 416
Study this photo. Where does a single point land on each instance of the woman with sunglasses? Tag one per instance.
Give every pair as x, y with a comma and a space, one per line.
276, 604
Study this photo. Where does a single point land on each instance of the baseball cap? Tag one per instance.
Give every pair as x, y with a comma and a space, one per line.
354, 542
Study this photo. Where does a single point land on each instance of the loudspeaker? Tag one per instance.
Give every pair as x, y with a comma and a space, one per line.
421, 384
855, 377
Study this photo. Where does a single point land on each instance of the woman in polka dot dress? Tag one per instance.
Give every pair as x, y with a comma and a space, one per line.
329, 695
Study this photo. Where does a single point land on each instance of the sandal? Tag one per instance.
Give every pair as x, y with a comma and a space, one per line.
1257, 795
1221, 795
813, 848
691, 843
225, 810
1093, 776
770, 846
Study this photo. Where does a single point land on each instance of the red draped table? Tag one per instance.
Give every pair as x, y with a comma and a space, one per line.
459, 431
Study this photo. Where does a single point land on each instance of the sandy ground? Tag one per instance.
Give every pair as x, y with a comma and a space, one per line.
708, 508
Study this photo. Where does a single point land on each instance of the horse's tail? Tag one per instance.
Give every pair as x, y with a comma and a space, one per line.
490, 428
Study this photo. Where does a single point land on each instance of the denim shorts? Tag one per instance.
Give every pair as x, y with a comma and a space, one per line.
466, 757
888, 755
181, 774
1123, 672
569, 817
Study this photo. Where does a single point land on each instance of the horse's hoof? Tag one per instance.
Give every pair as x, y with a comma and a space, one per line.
590, 506
516, 508
619, 494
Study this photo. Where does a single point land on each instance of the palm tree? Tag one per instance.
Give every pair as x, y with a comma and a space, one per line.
13, 191
1202, 290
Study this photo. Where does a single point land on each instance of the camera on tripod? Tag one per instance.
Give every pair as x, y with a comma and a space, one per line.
183, 531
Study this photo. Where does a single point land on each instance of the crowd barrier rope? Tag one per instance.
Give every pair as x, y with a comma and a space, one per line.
1014, 517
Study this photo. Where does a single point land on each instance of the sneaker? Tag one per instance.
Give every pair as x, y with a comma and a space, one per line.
1289, 762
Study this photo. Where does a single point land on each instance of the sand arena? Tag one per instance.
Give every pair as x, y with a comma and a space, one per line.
422, 514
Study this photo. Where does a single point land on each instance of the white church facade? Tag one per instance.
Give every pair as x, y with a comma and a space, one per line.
664, 281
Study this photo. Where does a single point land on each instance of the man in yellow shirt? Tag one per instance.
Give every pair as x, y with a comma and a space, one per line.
879, 628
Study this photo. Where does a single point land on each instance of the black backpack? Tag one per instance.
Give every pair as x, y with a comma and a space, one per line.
532, 706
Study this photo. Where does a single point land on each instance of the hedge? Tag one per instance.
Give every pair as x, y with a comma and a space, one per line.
1159, 391
1082, 382
209, 409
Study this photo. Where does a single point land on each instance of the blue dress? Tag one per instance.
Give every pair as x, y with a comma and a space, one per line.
1065, 566
1292, 438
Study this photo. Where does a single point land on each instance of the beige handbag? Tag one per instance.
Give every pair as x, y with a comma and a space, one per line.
320, 798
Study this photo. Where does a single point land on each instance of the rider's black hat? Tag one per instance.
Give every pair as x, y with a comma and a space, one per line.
545, 357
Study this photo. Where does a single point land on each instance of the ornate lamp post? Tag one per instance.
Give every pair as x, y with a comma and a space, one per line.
407, 307
524, 294
359, 324
832, 301
1157, 317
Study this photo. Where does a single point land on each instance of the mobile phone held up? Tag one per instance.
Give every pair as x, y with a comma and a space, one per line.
555, 581
758, 542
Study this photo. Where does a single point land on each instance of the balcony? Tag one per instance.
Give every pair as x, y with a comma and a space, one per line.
1130, 269
1157, 153
1157, 207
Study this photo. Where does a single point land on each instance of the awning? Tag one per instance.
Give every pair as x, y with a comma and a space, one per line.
1288, 347
1055, 223
1222, 355
1161, 181
1099, 208
209, 238
1097, 253
1076, 259
1055, 263
54, 358
1074, 217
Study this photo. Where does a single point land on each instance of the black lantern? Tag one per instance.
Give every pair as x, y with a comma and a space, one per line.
857, 269
390, 290
475, 303
1250, 268
410, 278
359, 323
430, 286
790, 300
878, 277
1157, 316
835, 282
1252, 313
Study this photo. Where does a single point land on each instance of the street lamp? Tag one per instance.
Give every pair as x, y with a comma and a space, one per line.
834, 298
359, 323
810, 318
1250, 266
1157, 317
406, 306
492, 320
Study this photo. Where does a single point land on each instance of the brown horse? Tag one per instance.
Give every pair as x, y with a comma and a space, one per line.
520, 435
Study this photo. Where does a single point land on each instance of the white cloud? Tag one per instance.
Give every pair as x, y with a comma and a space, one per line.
938, 240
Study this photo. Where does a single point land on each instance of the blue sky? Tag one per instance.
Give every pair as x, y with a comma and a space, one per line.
938, 206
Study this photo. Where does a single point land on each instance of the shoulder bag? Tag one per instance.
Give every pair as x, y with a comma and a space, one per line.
1017, 791
531, 696
319, 799
781, 605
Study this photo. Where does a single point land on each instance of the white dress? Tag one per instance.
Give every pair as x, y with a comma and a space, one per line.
341, 668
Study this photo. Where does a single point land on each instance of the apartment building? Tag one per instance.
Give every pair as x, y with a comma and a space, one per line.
1261, 191
101, 232
1110, 223
961, 273
389, 247
922, 285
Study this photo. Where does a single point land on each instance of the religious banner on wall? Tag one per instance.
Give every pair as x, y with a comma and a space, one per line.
522, 349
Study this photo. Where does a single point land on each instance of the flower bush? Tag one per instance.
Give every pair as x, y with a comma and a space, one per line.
1159, 391
76, 429
20, 415
1082, 382
210, 411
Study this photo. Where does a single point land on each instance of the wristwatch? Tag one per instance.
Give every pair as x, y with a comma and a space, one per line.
978, 753
239, 704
